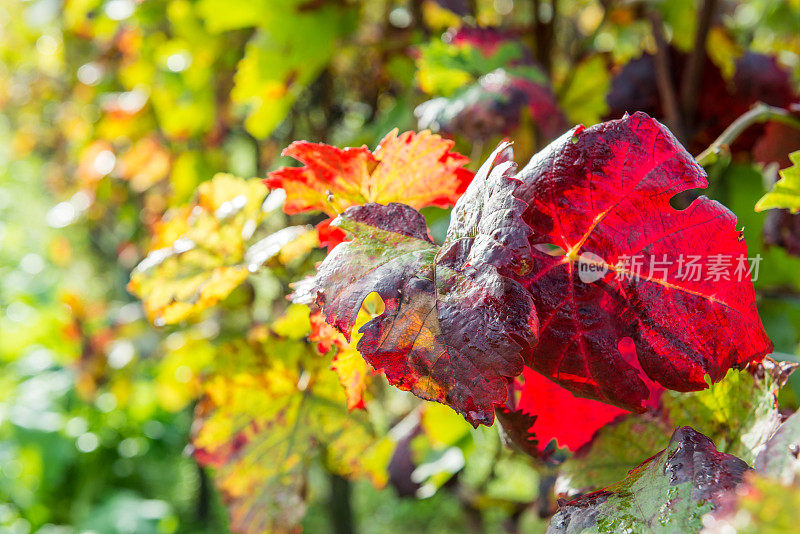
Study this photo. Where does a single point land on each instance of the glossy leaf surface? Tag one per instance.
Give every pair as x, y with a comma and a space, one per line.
601, 197
739, 414
454, 324
669, 492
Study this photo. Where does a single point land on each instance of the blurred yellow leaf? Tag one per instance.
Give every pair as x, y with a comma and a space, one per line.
203, 252
145, 164
260, 431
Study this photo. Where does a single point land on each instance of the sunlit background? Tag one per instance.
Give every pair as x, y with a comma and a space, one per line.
113, 112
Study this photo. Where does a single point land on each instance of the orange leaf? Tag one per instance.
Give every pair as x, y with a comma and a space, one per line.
417, 169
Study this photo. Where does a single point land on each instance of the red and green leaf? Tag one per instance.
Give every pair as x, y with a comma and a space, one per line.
670, 492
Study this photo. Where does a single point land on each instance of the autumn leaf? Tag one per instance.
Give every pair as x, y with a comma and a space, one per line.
324, 335
614, 262
207, 250
353, 371
670, 492
598, 200
418, 169
454, 323
785, 193
145, 164
261, 429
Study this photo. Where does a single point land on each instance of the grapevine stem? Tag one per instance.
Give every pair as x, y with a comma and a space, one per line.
759, 113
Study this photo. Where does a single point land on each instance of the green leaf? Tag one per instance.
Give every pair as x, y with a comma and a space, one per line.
618, 448
785, 194
282, 58
741, 184
681, 18
670, 492
584, 101
443, 68
739, 413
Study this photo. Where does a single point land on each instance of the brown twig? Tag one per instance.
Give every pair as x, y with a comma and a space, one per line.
543, 34
759, 113
693, 72
666, 89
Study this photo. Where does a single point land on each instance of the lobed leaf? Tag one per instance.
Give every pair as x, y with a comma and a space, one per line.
207, 249
600, 196
454, 323
418, 169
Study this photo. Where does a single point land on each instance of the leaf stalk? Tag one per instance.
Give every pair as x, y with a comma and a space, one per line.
758, 114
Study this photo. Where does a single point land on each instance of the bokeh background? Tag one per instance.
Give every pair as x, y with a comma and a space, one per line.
113, 112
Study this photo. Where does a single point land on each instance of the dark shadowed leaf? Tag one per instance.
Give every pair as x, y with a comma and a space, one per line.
454, 324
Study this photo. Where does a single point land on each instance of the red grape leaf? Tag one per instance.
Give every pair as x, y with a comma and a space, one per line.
454, 324
324, 335
602, 196
557, 414
418, 169
670, 492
